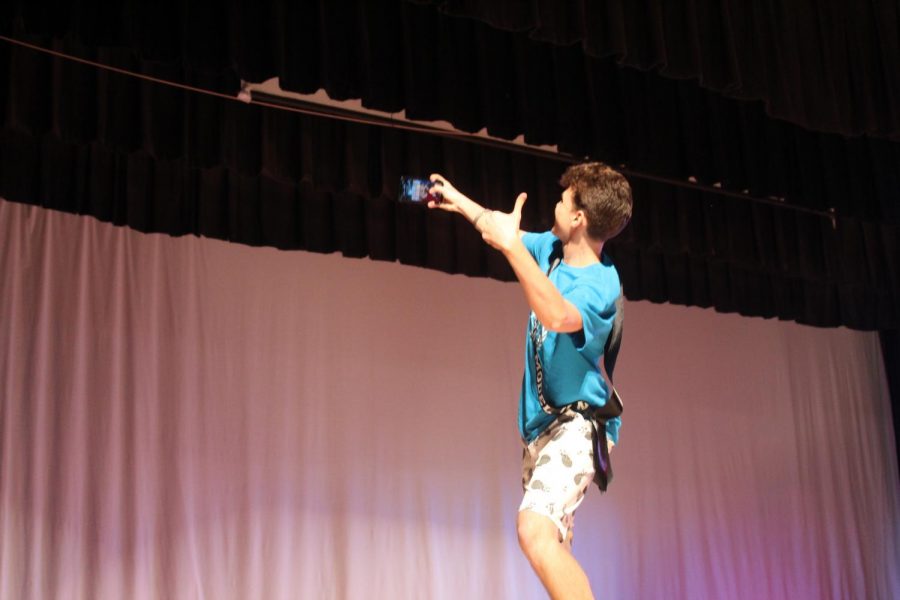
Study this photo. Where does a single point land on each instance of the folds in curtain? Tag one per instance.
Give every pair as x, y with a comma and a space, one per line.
436, 66
184, 418
683, 246
159, 159
826, 66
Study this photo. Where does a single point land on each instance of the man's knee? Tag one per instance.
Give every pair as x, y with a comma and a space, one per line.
535, 531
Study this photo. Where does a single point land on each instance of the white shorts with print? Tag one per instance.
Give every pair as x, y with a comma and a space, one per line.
557, 469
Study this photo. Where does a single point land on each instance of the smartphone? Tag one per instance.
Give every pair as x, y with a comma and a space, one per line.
417, 190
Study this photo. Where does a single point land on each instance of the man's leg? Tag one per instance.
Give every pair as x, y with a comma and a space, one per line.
551, 559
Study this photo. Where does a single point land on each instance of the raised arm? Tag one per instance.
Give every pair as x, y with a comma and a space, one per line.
501, 231
452, 200
550, 307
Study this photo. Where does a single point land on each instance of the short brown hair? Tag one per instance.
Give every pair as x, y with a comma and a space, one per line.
603, 194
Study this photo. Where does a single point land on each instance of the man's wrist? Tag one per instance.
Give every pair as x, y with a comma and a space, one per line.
479, 216
513, 246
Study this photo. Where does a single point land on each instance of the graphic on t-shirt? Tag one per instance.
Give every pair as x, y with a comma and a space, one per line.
537, 331
538, 334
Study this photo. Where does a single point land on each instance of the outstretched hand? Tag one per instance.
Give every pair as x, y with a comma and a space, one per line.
501, 230
450, 197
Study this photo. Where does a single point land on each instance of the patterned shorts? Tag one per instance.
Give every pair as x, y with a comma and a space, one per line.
557, 468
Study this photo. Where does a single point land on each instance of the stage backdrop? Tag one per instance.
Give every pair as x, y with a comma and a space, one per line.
187, 418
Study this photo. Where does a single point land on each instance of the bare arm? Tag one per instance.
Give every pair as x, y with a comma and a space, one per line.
501, 231
550, 307
455, 201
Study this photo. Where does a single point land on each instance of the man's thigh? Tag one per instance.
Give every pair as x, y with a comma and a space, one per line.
557, 469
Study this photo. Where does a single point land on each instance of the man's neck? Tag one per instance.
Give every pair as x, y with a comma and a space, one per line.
582, 252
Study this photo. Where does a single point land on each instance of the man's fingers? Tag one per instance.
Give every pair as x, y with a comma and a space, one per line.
441, 205
520, 202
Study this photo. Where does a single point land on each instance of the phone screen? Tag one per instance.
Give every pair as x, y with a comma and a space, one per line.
416, 189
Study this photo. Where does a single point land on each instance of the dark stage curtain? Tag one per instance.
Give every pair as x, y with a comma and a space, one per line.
890, 351
827, 66
402, 56
158, 159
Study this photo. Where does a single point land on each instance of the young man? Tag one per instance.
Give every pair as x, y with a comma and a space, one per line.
571, 289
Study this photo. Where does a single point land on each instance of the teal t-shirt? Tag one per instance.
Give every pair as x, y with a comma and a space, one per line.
570, 362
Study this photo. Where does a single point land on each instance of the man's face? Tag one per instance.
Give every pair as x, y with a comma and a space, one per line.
564, 214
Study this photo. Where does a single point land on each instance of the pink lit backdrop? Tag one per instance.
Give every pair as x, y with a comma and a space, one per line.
187, 418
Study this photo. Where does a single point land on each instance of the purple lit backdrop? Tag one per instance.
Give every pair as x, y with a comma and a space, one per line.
186, 418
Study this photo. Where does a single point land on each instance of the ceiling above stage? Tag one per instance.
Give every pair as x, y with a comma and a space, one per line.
794, 103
